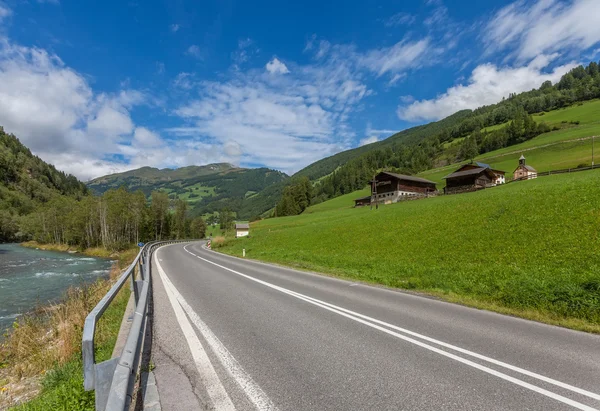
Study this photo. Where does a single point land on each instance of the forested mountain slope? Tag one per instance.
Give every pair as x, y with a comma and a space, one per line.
26, 183
412, 135
206, 189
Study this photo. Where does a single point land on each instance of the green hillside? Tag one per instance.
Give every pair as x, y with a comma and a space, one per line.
527, 248
568, 147
26, 182
207, 188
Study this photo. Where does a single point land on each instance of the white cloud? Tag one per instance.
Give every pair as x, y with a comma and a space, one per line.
400, 19
174, 27
283, 122
184, 81
4, 12
194, 51
145, 138
397, 58
310, 43
544, 27
488, 84
324, 47
276, 67
54, 111
368, 140
244, 52
110, 122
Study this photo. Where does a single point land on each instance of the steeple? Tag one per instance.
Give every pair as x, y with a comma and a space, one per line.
522, 160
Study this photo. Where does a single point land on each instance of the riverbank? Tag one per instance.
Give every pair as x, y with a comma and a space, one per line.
40, 358
124, 257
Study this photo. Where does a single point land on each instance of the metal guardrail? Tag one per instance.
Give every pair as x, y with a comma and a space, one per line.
112, 379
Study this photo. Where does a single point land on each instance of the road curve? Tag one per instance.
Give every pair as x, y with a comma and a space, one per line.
235, 334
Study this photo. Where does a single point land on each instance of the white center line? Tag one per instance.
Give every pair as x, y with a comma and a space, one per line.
373, 324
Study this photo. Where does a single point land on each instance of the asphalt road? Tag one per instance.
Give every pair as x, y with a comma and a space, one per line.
235, 334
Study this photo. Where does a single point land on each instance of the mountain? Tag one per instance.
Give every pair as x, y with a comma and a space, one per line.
207, 188
27, 182
145, 176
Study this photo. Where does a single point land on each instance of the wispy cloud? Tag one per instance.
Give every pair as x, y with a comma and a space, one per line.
400, 19
245, 51
399, 57
174, 27
194, 51
544, 27
4, 12
282, 121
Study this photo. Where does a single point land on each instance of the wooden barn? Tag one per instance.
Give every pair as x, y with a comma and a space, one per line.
500, 175
391, 187
470, 179
523, 171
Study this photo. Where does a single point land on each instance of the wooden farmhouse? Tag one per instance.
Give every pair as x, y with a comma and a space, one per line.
390, 188
500, 176
523, 171
471, 179
242, 229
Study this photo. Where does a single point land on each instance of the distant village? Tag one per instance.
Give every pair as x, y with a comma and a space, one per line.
388, 188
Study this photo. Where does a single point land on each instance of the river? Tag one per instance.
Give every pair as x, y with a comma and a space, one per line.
30, 277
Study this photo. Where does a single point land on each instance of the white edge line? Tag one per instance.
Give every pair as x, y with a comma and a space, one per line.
498, 374
216, 391
461, 350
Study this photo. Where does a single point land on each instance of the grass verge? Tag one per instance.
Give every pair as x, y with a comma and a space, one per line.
527, 249
40, 358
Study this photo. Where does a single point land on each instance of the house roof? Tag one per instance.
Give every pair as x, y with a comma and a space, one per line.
242, 226
472, 171
528, 168
522, 157
477, 164
363, 198
408, 178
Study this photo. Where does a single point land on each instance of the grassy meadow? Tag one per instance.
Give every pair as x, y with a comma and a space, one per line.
528, 248
568, 147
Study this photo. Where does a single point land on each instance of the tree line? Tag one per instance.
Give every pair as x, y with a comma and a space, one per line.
114, 220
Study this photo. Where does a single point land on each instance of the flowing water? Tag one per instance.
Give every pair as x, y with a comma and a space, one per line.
30, 277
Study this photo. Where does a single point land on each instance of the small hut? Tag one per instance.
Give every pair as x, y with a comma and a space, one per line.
242, 229
363, 201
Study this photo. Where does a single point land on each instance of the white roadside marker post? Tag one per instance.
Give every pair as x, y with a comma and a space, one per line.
244, 252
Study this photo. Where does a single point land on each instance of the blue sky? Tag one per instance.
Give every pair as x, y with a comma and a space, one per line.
100, 87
